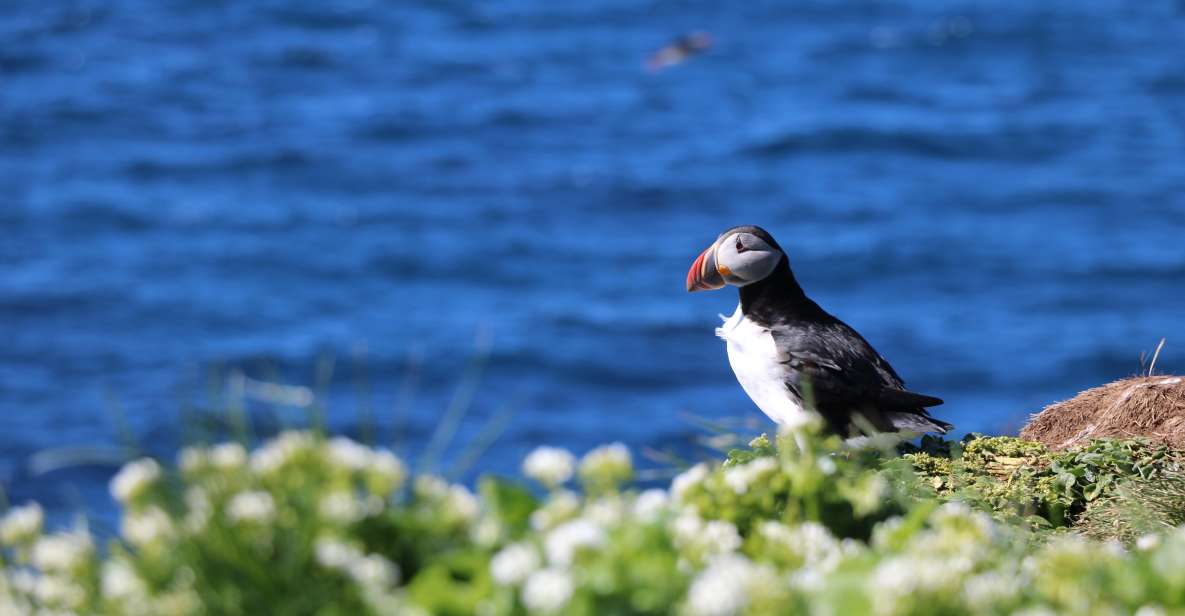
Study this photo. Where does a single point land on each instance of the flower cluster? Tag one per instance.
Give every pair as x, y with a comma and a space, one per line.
550, 466
803, 524
607, 467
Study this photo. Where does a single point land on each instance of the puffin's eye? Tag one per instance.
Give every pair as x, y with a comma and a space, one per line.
740, 246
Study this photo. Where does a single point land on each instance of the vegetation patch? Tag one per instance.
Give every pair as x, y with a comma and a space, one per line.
1024, 482
798, 524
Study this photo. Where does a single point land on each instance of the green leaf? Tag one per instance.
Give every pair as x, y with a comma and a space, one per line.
454, 585
513, 503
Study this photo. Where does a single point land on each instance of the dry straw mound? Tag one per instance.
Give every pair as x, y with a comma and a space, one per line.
1148, 406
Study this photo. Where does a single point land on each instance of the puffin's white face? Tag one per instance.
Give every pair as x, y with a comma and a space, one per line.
744, 258
737, 258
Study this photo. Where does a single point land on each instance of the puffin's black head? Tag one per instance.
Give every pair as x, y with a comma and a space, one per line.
740, 256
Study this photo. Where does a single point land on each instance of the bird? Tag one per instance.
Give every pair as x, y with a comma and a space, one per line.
679, 50
791, 356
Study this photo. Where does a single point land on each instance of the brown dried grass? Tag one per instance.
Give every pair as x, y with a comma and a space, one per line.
1152, 407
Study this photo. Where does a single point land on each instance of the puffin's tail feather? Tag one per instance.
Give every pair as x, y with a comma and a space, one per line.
899, 398
917, 422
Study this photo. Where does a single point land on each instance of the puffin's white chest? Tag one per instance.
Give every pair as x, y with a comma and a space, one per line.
753, 356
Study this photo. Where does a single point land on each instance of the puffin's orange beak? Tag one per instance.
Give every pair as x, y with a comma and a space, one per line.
703, 275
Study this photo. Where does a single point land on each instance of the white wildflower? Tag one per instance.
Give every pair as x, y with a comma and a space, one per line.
810, 541
562, 543
826, 465
347, 453
869, 494
191, 459
252, 506
686, 527
740, 477
486, 532
606, 512
884, 535
940, 574
988, 589
1148, 542
341, 507
197, 509
1150, 610
62, 552
23, 581
121, 583
649, 505
607, 465
899, 578
725, 586
704, 539
373, 571
547, 591
891, 581
134, 479
463, 504
1068, 547
951, 509
21, 524
808, 579
333, 553
1112, 547
59, 591
280, 451
457, 502
687, 480
550, 466
722, 536
228, 456
146, 527
387, 472
514, 563
431, 487
561, 506
1171, 556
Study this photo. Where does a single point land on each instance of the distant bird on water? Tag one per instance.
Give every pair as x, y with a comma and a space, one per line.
679, 50
785, 349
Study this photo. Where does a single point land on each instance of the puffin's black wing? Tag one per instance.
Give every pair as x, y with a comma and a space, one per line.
845, 376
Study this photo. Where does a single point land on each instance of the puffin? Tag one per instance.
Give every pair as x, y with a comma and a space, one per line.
679, 50
791, 356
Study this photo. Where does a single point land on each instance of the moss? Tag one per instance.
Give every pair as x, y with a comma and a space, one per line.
934, 471
1002, 449
1020, 478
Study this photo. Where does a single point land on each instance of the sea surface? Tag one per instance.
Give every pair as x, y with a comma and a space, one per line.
430, 214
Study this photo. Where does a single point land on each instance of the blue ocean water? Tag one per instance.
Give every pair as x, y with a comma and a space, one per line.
993, 194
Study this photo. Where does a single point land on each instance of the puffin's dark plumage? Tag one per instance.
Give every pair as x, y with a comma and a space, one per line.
822, 362
842, 370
